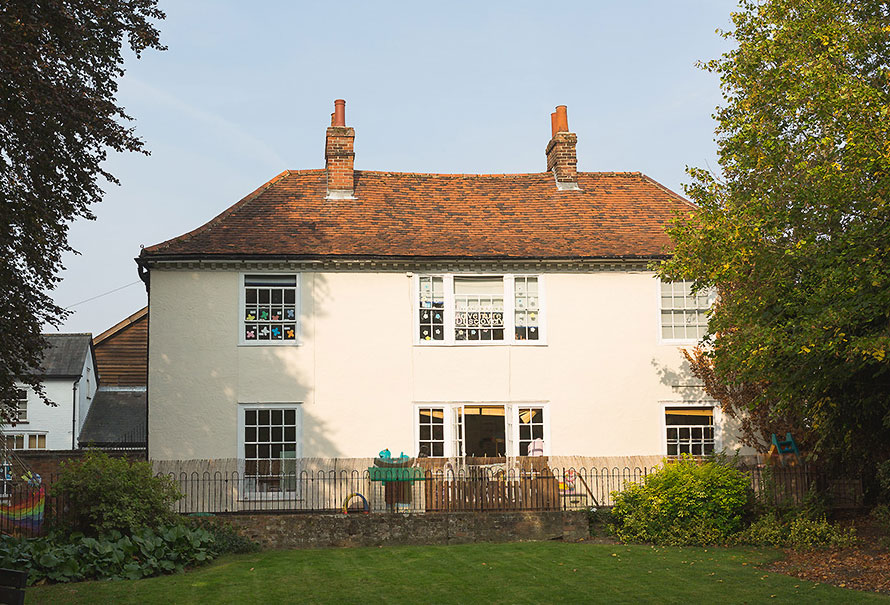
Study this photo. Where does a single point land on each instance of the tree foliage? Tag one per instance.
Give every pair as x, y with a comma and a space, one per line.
795, 235
105, 494
59, 65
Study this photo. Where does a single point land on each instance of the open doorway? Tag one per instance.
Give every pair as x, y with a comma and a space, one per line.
484, 431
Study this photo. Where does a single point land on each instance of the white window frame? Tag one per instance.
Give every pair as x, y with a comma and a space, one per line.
545, 409
253, 494
658, 310
509, 311
242, 303
26, 435
716, 414
511, 423
19, 400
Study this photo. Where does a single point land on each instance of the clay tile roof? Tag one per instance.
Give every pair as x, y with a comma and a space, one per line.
440, 215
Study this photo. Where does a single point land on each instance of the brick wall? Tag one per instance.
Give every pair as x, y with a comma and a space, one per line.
47, 463
357, 529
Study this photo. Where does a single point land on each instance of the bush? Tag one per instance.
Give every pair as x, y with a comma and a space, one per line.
684, 502
105, 494
599, 521
61, 558
800, 532
226, 539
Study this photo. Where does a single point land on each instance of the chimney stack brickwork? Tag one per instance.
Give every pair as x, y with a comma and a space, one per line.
562, 159
339, 155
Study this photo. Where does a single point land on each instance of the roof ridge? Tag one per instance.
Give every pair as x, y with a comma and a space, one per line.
121, 325
679, 197
219, 217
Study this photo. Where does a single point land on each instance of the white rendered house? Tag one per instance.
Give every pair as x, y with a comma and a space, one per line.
335, 312
67, 372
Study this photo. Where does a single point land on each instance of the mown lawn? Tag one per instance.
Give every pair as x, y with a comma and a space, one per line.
531, 572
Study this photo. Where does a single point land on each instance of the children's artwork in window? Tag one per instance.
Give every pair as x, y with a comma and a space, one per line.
478, 308
270, 308
526, 308
432, 308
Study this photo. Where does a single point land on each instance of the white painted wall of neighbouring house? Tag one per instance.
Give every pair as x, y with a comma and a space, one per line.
59, 423
358, 373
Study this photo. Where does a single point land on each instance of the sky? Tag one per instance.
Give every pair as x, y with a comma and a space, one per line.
245, 91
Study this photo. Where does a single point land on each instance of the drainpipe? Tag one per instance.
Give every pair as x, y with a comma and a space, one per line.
74, 415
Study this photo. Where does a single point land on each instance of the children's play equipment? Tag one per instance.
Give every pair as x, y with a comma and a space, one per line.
784, 452
397, 475
349, 498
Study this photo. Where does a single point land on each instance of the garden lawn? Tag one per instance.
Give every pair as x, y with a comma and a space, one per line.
529, 572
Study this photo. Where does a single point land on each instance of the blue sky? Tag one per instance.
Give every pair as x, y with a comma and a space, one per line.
246, 91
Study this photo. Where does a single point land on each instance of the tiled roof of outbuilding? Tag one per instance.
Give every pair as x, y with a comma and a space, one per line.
64, 356
409, 215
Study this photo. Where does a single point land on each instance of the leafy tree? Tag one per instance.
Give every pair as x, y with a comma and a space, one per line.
795, 235
59, 64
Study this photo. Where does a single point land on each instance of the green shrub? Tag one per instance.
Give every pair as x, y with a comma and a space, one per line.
61, 558
226, 539
105, 494
684, 502
800, 532
599, 521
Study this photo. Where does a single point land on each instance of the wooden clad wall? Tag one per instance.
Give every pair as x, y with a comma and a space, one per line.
121, 357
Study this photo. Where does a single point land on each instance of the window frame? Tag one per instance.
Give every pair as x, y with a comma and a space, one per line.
26, 438
242, 303
22, 397
509, 280
254, 494
716, 419
511, 424
658, 318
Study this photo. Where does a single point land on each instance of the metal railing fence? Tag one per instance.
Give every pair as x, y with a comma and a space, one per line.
29, 510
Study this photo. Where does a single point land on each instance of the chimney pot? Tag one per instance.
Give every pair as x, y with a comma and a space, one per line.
562, 119
339, 113
553, 129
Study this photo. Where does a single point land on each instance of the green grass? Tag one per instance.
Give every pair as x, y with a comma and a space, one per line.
542, 572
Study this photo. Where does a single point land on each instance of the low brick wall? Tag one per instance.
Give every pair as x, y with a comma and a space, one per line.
357, 529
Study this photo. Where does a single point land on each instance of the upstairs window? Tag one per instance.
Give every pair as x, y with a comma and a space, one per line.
21, 406
684, 314
479, 309
270, 309
432, 308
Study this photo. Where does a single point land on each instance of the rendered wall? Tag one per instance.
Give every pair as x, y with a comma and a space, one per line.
358, 374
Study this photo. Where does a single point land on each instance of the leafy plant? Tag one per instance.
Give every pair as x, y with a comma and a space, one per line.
72, 558
226, 538
800, 532
105, 494
684, 502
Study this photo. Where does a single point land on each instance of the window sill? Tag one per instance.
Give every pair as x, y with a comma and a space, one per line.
526, 343
271, 343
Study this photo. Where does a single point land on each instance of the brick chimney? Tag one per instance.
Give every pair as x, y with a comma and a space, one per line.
561, 158
339, 155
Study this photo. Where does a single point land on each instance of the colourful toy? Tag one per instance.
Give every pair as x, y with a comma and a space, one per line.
350, 497
26, 515
783, 450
